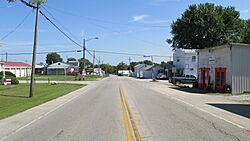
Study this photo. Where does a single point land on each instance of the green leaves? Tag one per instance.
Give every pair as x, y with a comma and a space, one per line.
206, 25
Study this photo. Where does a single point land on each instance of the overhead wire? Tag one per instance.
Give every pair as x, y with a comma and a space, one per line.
18, 25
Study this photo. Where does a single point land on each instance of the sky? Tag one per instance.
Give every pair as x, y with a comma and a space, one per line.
130, 26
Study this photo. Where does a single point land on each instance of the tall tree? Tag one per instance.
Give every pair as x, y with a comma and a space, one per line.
122, 66
246, 37
85, 62
206, 25
53, 58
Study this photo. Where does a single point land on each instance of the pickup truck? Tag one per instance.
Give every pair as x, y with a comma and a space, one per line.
186, 79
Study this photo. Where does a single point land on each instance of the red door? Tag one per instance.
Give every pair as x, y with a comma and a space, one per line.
204, 77
220, 79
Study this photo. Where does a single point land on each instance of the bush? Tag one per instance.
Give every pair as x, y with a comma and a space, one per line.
8, 73
14, 80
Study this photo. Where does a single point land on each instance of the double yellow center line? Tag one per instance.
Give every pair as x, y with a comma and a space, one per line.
129, 120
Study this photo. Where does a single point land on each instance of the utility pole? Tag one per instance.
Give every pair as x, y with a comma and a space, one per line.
34, 52
99, 65
93, 61
129, 59
83, 54
6, 56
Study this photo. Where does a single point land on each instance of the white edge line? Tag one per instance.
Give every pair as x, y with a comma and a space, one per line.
40, 117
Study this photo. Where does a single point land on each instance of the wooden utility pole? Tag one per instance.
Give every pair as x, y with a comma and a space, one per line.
93, 61
34, 52
129, 59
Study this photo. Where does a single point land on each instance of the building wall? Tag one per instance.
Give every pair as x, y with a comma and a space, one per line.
182, 60
240, 68
18, 71
222, 57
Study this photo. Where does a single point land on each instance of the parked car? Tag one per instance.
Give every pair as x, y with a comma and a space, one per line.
186, 79
161, 76
72, 73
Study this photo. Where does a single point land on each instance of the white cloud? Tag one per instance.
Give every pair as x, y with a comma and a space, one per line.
139, 18
245, 10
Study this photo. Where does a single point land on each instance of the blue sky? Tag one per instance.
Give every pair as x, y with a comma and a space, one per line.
132, 26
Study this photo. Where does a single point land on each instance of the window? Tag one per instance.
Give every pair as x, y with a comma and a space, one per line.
193, 58
191, 69
178, 59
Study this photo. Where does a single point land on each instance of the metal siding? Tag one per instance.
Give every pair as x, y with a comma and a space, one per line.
240, 68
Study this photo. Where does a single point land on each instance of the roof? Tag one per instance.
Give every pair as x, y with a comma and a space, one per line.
39, 66
16, 64
227, 46
58, 65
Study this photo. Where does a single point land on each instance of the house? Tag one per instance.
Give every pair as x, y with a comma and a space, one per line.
20, 69
61, 68
185, 61
137, 69
150, 71
39, 69
224, 68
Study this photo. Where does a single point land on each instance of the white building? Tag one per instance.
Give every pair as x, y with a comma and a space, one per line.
185, 61
150, 71
60, 68
224, 67
137, 69
20, 69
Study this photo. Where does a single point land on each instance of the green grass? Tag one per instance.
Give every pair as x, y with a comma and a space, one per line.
14, 98
60, 78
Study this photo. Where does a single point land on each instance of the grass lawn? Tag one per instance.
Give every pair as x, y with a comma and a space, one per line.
14, 98
60, 78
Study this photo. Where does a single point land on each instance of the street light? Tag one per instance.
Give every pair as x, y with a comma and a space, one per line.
152, 59
84, 49
84, 45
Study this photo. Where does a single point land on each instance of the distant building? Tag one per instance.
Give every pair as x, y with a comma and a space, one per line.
225, 67
150, 71
185, 62
20, 69
137, 69
61, 68
39, 69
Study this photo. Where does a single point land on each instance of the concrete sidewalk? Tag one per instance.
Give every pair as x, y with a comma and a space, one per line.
68, 82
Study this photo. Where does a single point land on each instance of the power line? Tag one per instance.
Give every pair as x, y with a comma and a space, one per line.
12, 31
47, 18
60, 29
53, 17
103, 21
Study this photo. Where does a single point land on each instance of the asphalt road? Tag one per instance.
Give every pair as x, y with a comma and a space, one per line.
97, 115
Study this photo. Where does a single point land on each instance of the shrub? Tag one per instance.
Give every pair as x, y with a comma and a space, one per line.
8, 73
14, 80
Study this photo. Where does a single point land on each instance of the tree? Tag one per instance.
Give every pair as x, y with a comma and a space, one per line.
246, 36
71, 59
53, 58
85, 62
109, 69
206, 25
31, 1
122, 66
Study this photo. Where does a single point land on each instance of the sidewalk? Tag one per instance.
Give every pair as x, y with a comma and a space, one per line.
68, 82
